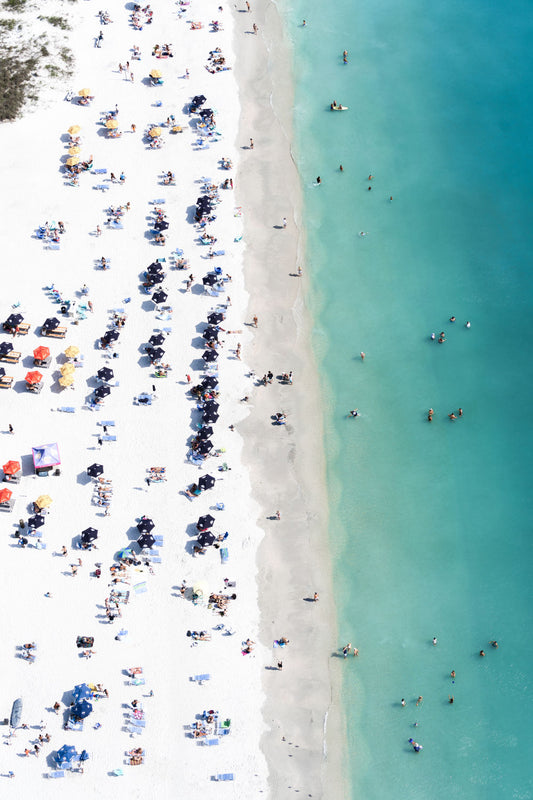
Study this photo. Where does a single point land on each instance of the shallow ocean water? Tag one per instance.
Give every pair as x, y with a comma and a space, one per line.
430, 523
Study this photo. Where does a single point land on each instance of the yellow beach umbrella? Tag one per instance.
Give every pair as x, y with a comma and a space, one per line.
73, 129
111, 124
44, 501
155, 132
156, 73
67, 369
72, 161
84, 92
72, 351
73, 151
66, 380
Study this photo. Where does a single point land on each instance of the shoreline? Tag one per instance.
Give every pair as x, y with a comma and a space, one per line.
303, 715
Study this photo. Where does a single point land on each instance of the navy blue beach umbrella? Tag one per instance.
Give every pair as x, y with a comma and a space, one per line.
102, 392
206, 482
209, 279
210, 382
37, 521
82, 709
210, 355
210, 417
13, 320
205, 522
215, 318
204, 433
51, 323
157, 339
81, 692
204, 447
105, 374
160, 296
5, 348
146, 540
206, 539
89, 535
65, 755
145, 525
211, 405
95, 470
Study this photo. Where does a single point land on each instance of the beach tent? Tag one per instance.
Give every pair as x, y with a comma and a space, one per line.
82, 709
95, 470
81, 692
146, 540
37, 521
145, 525
206, 482
16, 713
206, 539
65, 755
45, 456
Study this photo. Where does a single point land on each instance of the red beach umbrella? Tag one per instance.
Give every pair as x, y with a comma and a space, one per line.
11, 468
41, 353
5, 495
34, 377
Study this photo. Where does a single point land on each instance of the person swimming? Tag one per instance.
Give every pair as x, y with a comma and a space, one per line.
354, 413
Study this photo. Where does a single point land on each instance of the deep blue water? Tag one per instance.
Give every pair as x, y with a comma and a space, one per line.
430, 523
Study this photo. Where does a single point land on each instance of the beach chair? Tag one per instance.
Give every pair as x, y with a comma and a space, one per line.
102, 187
24, 328
67, 409
109, 423
224, 776
224, 555
201, 678
100, 171
6, 381
140, 588
116, 224
109, 438
57, 773
137, 682
52, 246
41, 545
118, 772
131, 729
158, 540
138, 723
160, 202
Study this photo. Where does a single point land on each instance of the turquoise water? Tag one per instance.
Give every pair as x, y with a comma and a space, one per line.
430, 523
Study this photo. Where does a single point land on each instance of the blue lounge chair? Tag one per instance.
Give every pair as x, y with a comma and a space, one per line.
118, 772
109, 423
156, 560
67, 409
109, 438
160, 202
224, 776
224, 555
102, 186
57, 773
100, 171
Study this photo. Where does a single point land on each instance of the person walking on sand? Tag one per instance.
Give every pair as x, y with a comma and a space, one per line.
255, 28
315, 597
255, 321
10, 429
251, 144
64, 551
284, 222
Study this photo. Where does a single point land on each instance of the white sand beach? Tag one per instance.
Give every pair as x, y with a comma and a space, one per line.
51, 606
